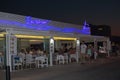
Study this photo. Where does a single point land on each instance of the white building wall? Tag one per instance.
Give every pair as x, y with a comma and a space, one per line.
22, 19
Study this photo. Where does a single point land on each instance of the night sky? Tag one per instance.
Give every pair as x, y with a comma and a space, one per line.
96, 12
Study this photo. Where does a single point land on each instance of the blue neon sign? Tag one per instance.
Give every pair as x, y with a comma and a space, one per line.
43, 25
29, 20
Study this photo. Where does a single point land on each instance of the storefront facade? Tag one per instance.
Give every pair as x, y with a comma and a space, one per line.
18, 32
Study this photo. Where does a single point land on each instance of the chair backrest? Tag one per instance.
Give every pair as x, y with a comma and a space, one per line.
40, 58
22, 56
29, 58
59, 57
17, 59
73, 55
66, 55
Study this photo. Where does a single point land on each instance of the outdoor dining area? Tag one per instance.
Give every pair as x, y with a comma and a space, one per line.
27, 59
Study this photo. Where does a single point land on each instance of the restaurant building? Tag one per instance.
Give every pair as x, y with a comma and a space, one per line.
22, 32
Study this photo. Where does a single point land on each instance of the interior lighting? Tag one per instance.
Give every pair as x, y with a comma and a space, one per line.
64, 38
1, 35
28, 36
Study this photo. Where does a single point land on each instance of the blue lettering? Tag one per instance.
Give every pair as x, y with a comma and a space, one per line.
31, 21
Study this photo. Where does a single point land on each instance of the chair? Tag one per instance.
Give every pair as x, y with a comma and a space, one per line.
29, 60
22, 57
66, 57
72, 56
60, 59
16, 60
55, 58
41, 61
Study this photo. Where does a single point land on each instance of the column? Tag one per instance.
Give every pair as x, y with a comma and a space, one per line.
95, 49
51, 48
108, 47
77, 50
11, 49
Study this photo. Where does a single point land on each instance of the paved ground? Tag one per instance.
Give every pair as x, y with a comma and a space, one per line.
101, 69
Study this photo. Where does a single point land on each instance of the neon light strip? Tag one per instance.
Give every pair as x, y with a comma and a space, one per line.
28, 36
45, 27
40, 37
64, 38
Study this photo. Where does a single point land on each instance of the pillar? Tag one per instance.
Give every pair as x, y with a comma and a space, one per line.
11, 49
77, 50
51, 48
108, 47
95, 49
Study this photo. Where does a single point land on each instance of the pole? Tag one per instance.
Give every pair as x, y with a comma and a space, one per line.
8, 76
51, 50
108, 47
95, 49
8, 59
77, 49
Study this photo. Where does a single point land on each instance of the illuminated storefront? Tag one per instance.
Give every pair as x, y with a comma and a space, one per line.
26, 31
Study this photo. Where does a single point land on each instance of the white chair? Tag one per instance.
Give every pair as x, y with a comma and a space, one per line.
72, 56
66, 57
41, 61
55, 57
22, 57
29, 60
60, 59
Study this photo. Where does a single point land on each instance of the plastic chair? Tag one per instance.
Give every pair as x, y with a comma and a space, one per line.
29, 60
60, 59
16, 62
66, 57
41, 61
72, 56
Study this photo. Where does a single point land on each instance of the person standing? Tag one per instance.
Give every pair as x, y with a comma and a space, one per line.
83, 49
89, 53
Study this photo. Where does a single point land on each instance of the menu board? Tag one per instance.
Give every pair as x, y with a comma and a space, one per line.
51, 46
13, 44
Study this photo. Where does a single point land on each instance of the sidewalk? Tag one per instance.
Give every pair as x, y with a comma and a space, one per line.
107, 59
33, 74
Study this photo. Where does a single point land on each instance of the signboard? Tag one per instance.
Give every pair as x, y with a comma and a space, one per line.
13, 44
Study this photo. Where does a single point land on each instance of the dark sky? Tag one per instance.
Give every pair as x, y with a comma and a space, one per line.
71, 11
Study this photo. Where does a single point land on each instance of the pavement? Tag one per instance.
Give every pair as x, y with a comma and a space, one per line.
56, 70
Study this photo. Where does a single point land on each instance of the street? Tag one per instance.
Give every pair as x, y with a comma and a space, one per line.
104, 69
